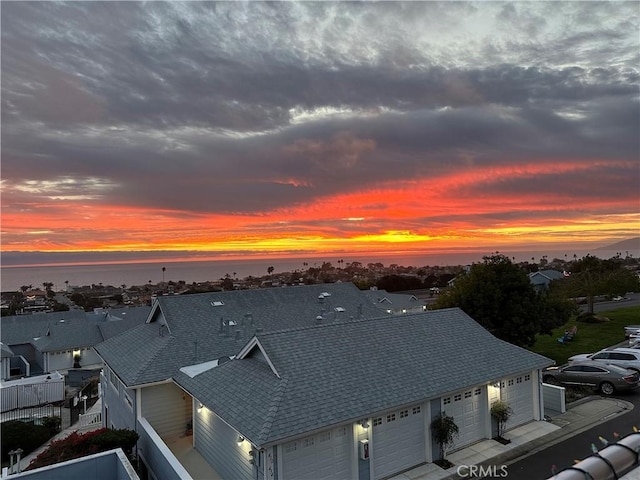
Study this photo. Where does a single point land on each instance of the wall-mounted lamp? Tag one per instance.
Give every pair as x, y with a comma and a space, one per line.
364, 424
240, 440
200, 407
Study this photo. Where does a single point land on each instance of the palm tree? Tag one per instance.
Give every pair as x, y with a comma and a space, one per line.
270, 270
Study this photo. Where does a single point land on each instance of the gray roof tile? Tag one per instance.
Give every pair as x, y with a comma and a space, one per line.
336, 373
194, 326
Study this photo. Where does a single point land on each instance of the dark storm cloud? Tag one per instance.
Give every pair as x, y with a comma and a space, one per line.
202, 101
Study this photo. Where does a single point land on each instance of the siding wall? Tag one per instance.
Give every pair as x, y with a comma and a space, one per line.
121, 414
157, 456
167, 408
216, 442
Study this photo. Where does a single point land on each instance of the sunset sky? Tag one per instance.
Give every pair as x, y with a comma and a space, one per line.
319, 127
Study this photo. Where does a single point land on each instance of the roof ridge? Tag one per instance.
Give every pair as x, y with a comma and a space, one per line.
273, 410
355, 320
143, 367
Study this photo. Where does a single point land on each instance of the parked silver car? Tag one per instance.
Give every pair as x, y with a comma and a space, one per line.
623, 357
607, 379
630, 330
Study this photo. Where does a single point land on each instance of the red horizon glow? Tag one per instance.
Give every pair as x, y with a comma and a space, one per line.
449, 212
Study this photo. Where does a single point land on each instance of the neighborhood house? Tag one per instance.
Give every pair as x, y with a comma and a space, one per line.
306, 382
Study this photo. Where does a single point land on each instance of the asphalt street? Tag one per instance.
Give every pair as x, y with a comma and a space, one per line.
538, 466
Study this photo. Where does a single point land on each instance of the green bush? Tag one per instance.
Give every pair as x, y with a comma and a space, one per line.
24, 435
53, 424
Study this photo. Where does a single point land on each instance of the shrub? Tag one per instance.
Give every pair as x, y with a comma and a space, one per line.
53, 424
79, 445
501, 411
24, 435
444, 431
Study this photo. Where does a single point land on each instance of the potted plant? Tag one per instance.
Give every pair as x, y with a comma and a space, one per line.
444, 431
501, 411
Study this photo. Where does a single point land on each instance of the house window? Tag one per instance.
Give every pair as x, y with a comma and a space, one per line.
446, 401
416, 410
404, 413
113, 379
501, 384
457, 397
127, 397
477, 391
324, 437
391, 417
341, 432
377, 421
519, 380
308, 442
467, 394
527, 377
291, 447
510, 382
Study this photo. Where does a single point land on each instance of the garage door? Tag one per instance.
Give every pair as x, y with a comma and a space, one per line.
398, 441
326, 455
466, 408
518, 393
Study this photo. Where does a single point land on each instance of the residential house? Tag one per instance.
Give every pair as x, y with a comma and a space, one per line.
395, 303
305, 382
543, 278
48, 342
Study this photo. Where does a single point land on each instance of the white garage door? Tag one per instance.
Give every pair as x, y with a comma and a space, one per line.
466, 408
518, 393
398, 441
326, 455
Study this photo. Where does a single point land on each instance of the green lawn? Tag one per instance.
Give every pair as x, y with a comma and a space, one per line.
591, 337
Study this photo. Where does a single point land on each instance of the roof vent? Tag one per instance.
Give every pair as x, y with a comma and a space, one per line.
320, 298
217, 303
319, 319
340, 309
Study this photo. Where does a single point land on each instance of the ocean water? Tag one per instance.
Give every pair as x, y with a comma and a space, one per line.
78, 270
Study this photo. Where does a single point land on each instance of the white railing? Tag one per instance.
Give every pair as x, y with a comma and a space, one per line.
90, 419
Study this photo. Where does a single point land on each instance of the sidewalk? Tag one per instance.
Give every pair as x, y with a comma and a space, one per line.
24, 462
526, 439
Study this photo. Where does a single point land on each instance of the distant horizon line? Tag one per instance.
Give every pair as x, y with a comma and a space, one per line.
17, 259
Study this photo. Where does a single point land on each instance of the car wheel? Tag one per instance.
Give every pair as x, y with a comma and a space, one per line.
606, 388
550, 380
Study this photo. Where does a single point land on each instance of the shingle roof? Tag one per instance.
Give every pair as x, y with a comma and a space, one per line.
193, 321
337, 373
52, 331
385, 300
56, 331
121, 320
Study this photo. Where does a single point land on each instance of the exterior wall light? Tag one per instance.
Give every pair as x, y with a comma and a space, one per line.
200, 407
364, 424
240, 440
